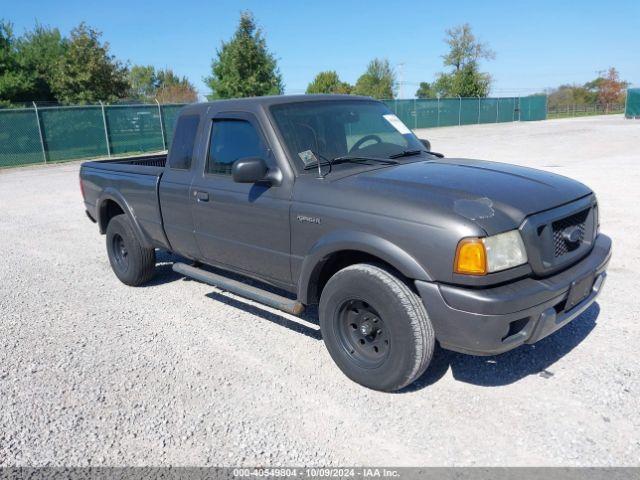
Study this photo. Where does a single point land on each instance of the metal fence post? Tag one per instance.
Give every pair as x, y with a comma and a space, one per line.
546, 107
415, 112
106, 131
438, 107
44, 150
164, 141
478, 109
497, 110
460, 111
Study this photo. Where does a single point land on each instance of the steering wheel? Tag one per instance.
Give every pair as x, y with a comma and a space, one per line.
366, 138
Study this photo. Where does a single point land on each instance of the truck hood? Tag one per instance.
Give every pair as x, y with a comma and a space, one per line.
496, 196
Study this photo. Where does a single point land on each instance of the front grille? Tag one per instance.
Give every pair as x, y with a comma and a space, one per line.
562, 246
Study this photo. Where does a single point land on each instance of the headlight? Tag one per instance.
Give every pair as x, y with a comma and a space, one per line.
479, 256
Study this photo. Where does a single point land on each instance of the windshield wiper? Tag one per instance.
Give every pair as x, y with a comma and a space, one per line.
358, 158
322, 161
407, 153
410, 153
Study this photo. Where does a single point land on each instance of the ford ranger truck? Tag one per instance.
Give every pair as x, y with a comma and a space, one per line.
332, 200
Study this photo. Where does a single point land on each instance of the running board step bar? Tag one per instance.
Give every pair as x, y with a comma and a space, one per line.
247, 291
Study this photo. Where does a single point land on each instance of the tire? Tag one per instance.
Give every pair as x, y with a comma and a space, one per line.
132, 263
375, 327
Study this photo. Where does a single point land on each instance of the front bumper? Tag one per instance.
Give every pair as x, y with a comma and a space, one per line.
494, 320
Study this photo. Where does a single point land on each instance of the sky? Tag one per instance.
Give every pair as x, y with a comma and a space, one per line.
538, 44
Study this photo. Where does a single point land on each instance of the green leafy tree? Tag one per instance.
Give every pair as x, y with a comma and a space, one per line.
379, 80
467, 82
328, 82
244, 67
14, 83
426, 90
464, 56
143, 82
464, 48
88, 73
40, 53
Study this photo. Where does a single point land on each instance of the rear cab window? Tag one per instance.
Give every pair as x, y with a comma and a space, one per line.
181, 152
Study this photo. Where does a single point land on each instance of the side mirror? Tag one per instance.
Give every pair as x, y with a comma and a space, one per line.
427, 144
249, 170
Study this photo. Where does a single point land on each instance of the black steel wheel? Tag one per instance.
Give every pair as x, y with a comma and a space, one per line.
120, 254
375, 327
362, 333
132, 263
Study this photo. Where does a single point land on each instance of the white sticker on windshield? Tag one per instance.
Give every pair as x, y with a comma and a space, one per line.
307, 157
397, 123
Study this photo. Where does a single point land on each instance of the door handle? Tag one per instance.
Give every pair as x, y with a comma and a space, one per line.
201, 196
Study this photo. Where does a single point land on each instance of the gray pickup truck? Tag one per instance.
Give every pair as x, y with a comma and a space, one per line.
332, 200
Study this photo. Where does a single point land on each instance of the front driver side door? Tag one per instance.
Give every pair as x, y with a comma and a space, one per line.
241, 226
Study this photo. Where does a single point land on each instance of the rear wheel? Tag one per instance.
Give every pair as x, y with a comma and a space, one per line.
375, 327
132, 263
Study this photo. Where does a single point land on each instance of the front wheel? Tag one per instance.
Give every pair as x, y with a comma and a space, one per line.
375, 327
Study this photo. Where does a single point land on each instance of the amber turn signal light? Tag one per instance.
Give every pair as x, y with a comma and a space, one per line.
471, 257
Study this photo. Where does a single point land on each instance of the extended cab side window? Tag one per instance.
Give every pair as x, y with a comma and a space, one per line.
230, 141
184, 139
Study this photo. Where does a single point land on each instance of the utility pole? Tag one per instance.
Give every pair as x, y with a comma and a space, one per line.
400, 79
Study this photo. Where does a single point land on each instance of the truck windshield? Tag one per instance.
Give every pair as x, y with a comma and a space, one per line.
342, 128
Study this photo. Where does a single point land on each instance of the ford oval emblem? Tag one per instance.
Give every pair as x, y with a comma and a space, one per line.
571, 234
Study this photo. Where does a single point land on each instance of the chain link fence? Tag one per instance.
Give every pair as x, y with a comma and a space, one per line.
442, 112
62, 133
56, 134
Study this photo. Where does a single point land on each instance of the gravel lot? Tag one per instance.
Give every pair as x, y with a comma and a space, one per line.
96, 373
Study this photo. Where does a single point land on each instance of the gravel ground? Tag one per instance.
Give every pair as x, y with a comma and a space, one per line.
96, 373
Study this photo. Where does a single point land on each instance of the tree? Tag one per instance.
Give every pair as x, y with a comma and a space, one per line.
426, 90
611, 88
328, 82
605, 89
469, 82
244, 67
465, 79
379, 80
464, 49
143, 82
147, 84
39, 56
174, 89
14, 83
88, 73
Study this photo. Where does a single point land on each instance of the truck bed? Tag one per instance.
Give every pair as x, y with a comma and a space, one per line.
133, 183
142, 164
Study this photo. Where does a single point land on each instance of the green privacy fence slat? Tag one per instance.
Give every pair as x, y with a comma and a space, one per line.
19, 138
427, 113
488, 110
533, 108
449, 112
632, 104
133, 128
506, 110
77, 132
73, 132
